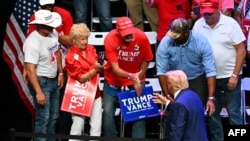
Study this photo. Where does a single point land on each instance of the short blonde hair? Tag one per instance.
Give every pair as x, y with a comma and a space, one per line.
178, 79
79, 30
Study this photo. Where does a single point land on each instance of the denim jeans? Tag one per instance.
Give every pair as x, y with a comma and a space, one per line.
233, 105
103, 11
64, 120
109, 128
46, 115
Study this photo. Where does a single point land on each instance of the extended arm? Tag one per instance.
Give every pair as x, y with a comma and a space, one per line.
33, 81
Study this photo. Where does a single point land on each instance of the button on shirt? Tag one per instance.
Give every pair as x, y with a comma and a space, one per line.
195, 57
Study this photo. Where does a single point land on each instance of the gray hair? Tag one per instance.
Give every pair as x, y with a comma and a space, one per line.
79, 30
178, 79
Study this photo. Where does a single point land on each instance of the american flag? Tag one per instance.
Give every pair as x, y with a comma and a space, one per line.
12, 50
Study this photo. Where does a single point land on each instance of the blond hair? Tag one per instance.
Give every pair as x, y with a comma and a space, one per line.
178, 79
79, 30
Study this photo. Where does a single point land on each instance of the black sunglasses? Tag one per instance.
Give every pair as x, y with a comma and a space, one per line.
47, 6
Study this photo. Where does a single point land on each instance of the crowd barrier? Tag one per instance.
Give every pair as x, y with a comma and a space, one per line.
14, 134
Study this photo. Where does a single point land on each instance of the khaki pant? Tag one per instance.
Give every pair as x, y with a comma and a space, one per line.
136, 9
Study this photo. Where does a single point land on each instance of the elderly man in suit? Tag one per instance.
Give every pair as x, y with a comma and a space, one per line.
187, 120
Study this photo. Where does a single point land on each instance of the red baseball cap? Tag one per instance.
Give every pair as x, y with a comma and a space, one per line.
208, 6
125, 26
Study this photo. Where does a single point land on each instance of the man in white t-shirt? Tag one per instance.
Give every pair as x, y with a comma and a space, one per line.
227, 40
41, 64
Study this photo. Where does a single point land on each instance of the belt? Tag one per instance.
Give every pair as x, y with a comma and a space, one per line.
45, 77
114, 87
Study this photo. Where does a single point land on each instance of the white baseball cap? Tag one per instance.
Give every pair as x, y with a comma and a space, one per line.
44, 2
46, 17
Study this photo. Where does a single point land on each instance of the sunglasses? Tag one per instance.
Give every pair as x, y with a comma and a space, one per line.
47, 6
46, 27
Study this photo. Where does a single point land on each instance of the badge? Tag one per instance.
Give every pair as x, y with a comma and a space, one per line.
118, 48
136, 48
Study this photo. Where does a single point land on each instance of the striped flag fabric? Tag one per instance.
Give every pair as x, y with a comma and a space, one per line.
12, 49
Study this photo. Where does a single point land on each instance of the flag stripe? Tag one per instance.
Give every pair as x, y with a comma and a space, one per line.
21, 86
15, 44
14, 31
12, 50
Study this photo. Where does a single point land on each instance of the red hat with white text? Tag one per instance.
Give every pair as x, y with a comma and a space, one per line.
208, 6
125, 26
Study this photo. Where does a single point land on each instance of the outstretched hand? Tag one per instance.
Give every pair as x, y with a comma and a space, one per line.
159, 99
136, 82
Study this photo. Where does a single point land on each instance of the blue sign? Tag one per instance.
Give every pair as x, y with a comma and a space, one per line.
136, 108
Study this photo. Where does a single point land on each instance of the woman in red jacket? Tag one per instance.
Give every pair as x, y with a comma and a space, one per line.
81, 64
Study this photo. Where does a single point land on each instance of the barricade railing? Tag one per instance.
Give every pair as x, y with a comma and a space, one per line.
14, 134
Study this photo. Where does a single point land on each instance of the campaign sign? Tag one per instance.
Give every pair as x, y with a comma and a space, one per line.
79, 97
136, 108
246, 26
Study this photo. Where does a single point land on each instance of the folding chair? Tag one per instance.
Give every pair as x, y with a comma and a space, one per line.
245, 86
152, 40
154, 82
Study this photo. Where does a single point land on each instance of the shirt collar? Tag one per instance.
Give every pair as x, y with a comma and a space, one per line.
176, 93
220, 22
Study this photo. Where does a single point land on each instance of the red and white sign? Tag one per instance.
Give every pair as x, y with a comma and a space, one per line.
79, 97
246, 26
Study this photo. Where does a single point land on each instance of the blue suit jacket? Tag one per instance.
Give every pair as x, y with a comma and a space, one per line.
185, 118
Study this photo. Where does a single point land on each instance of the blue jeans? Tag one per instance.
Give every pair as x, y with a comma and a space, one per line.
46, 115
109, 102
103, 11
233, 105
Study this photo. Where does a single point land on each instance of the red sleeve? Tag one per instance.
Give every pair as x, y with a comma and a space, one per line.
67, 20
76, 66
73, 67
110, 44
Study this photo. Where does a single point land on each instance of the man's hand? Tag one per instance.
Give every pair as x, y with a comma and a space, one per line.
232, 83
159, 99
60, 81
210, 107
25, 76
41, 99
134, 77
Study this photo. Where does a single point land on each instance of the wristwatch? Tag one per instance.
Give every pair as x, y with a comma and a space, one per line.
210, 98
235, 76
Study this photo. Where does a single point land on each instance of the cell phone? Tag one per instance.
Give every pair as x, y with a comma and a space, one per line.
101, 57
196, 10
